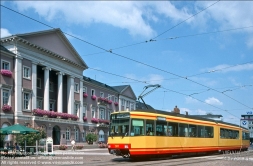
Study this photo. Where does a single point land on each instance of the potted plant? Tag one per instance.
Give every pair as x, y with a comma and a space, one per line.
116, 103
94, 120
85, 95
90, 138
6, 107
93, 97
85, 119
7, 73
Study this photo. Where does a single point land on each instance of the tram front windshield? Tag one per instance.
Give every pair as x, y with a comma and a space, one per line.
119, 124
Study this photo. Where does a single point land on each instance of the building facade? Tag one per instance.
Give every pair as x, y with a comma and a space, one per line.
42, 85
247, 122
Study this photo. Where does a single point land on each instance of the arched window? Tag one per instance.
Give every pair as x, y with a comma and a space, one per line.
67, 134
101, 135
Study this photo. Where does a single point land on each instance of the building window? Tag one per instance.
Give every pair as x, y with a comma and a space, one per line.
84, 89
76, 108
92, 92
109, 114
26, 72
131, 106
51, 86
67, 134
26, 101
109, 97
39, 104
84, 111
38, 83
51, 106
101, 94
76, 134
6, 95
5, 65
76, 87
102, 113
115, 99
93, 112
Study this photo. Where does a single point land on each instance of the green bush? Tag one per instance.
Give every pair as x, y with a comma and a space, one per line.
90, 138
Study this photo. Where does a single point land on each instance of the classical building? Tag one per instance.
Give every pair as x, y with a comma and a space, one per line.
42, 85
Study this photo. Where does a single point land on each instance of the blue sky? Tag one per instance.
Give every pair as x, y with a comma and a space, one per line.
218, 65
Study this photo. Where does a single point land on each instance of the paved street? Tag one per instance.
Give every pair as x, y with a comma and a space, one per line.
94, 156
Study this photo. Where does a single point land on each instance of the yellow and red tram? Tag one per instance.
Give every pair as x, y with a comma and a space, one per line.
152, 132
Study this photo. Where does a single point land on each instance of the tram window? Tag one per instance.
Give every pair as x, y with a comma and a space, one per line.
236, 134
222, 133
226, 133
209, 132
192, 130
150, 127
201, 131
173, 128
161, 128
183, 130
137, 127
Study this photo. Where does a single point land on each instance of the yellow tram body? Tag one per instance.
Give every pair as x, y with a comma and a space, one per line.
213, 135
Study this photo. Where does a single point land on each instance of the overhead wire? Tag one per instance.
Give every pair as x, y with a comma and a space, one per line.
149, 84
110, 51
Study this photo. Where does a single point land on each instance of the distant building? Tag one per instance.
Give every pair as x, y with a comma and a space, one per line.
247, 122
142, 106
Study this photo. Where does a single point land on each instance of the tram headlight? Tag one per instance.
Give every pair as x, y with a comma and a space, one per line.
126, 146
109, 146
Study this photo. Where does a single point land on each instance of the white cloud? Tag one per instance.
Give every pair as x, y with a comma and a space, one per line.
130, 15
5, 32
213, 101
190, 100
228, 68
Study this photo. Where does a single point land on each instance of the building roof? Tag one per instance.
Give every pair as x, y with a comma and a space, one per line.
100, 84
141, 106
27, 36
120, 88
2, 48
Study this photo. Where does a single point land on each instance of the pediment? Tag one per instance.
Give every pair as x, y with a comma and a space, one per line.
55, 41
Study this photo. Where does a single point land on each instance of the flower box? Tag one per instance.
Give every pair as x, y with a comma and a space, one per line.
7, 73
85, 95
93, 97
109, 102
63, 147
103, 121
116, 103
94, 120
6, 107
84, 119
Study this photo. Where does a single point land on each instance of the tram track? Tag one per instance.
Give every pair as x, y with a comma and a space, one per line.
173, 161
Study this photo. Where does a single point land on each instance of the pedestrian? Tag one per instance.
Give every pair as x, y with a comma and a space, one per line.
73, 143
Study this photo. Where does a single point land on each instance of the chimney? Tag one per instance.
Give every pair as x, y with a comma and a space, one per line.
176, 110
186, 113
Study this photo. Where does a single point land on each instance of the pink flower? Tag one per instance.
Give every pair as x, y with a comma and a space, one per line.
93, 97
85, 119
6, 107
109, 102
7, 73
94, 120
85, 95
116, 103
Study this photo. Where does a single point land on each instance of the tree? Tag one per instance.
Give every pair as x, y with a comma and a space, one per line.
31, 138
91, 138
2, 140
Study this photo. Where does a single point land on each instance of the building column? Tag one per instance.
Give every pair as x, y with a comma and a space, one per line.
34, 85
46, 88
81, 100
60, 92
18, 87
70, 95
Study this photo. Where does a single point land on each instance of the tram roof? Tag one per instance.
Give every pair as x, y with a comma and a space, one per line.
186, 116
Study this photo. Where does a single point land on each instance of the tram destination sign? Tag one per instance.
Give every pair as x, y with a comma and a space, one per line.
161, 118
120, 116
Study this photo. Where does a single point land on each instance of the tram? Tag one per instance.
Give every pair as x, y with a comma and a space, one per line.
152, 132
